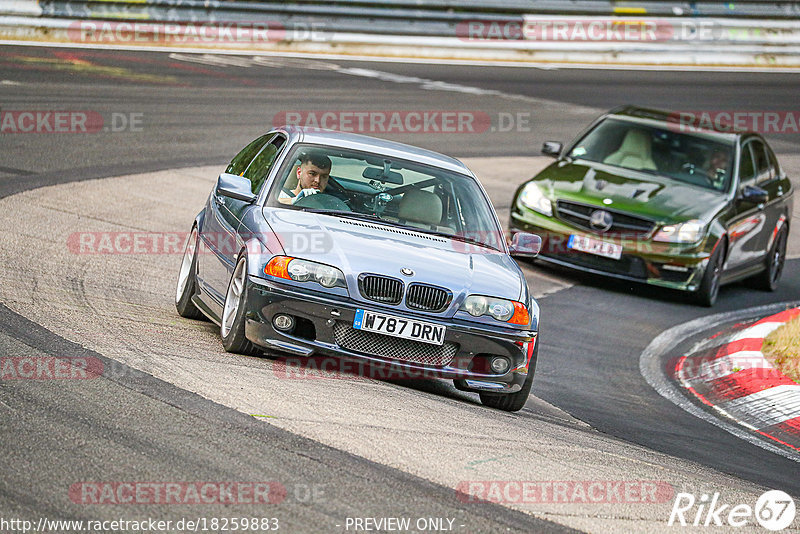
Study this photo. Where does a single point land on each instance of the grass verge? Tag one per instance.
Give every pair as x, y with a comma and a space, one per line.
782, 349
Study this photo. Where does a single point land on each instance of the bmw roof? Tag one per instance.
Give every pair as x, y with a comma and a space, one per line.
318, 136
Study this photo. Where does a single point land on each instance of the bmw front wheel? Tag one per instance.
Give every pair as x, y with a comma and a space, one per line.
233, 319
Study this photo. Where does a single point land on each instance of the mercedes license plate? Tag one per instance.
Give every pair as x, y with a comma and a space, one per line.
595, 246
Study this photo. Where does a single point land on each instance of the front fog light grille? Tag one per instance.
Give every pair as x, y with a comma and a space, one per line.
393, 348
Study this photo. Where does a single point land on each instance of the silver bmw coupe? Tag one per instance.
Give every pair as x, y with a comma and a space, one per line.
325, 244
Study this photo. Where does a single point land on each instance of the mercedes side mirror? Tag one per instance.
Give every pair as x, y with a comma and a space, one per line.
754, 195
552, 148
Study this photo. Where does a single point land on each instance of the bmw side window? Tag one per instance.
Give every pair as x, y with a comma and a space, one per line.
259, 168
240, 162
762, 164
747, 168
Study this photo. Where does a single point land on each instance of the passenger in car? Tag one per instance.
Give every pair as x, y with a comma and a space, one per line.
312, 178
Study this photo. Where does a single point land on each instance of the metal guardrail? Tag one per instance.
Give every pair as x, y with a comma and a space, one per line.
749, 8
433, 18
700, 33
433, 10
389, 21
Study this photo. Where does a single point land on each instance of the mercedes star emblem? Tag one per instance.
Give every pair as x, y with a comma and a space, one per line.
601, 220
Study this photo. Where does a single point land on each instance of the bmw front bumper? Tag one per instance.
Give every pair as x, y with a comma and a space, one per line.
323, 326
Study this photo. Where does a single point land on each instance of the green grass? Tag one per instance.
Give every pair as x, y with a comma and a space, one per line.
782, 348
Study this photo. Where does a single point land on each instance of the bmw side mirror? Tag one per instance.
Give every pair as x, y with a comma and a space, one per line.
236, 187
754, 195
525, 245
552, 148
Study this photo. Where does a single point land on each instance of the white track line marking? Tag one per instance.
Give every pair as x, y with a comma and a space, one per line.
723, 366
756, 332
390, 77
766, 408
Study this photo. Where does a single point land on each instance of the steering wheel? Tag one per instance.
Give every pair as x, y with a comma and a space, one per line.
691, 169
712, 179
322, 201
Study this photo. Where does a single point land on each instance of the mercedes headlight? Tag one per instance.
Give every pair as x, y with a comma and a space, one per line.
533, 198
688, 232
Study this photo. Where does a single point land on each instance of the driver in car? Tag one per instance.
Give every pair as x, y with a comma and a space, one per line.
312, 177
717, 167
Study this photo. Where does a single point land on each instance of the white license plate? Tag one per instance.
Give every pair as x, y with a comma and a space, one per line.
595, 246
399, 327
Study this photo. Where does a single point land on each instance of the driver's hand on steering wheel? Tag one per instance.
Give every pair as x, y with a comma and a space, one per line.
305, 193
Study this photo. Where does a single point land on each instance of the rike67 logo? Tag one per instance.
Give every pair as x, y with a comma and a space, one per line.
774, 510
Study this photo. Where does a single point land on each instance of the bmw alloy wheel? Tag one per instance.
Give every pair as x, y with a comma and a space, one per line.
234, 296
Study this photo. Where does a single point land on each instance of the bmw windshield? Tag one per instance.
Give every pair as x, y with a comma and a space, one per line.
386, 190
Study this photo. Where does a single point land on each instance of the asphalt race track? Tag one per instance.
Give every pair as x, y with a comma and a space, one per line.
157, 418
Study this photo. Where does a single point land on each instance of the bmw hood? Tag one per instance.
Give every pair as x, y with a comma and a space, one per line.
639, 193
356, 246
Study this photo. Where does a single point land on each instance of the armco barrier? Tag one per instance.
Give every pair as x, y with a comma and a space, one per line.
20, 7
454, 10
671, 33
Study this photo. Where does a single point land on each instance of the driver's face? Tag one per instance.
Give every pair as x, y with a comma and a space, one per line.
719, 161
311, 176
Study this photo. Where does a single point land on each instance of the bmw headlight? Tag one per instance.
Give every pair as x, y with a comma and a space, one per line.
533, 198
688, 232
305, 271
328, 276
507, 311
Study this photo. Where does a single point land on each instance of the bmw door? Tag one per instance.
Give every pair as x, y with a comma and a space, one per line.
232, 211
217, 234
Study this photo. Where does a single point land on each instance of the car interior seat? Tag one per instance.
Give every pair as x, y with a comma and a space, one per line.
635, 152
291, 180
419, 207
